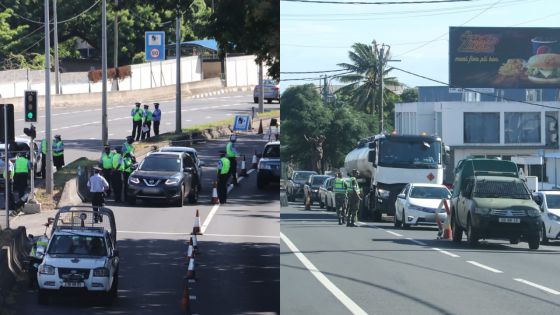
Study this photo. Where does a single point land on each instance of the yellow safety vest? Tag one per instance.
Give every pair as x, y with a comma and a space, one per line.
225, 166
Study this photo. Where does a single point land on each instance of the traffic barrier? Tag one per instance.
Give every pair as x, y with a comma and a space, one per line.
215, 199
186, 299
243, 172
444, 228
255, 161
196, 227
260, 132
190, 272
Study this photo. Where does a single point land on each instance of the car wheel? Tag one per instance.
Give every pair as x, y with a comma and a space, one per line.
43, 297
179, 202
396, 222
457, 231
533, 241
472, 236
255, 100
544, 238
404, 225
193, 195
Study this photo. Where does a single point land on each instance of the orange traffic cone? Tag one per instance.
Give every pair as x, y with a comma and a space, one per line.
255, 161
215, 199
243, 168
260, 128
190, 253
190, 272
186, 299
447, 232
194, 243
196, 227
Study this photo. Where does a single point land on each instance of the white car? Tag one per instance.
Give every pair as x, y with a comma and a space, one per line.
549, 203
417, 204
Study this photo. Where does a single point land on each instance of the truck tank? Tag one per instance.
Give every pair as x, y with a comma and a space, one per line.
358, 159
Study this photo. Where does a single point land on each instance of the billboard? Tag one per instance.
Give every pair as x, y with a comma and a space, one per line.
504, 57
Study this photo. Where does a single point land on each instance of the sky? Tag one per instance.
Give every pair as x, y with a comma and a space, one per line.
317, 37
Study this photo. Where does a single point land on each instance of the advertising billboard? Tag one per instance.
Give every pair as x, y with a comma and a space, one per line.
504, 57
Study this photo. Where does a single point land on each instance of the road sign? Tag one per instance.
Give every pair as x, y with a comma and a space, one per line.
241, 122
155, 46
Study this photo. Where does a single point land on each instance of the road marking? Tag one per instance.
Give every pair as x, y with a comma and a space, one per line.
209, 218
416, 242
396, 234
241, 235
484, 266
538, 286
341, 296
445, 252
160, 233
192, 297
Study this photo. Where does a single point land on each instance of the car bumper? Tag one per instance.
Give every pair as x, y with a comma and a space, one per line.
415, 217
92, 284
270, 175
489, 226
159, 192
297, 192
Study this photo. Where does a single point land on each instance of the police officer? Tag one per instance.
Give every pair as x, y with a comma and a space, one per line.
58, 152
232, 154
9, 180
118, 169
43, 157
223, 175
156, 117
126, 170
106, 163
127, 147
147, 122
97, 186
136, 114
340, 196
354, 198
21, 173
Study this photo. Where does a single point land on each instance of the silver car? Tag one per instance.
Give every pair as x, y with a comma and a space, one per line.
271, 91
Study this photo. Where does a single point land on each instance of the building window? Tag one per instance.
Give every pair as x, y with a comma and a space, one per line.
533, 95
481, 127
522, 127
551, 129
471, 96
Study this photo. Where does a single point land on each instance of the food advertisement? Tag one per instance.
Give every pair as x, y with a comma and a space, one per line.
504, 57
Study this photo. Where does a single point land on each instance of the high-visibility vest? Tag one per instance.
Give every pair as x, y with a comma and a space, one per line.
127, 164
58, 148
44, 146
230, 152
348, 184
352, 184
127, 148
107, 160
148, 115
118, 162
339, 186
224, 167
22, 165
136, 114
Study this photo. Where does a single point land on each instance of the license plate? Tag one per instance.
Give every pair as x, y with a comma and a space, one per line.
151, 190
73, 284
509, 220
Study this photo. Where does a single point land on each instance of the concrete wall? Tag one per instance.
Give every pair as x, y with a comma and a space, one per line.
242, 71
211, 69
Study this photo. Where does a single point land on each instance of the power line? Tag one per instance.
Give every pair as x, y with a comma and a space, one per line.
51, 21
302, 72
319, 78
379, 2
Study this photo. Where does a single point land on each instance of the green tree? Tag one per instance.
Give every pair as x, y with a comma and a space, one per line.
409, 95
9, 38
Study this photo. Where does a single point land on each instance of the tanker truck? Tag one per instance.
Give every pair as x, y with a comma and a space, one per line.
388, 162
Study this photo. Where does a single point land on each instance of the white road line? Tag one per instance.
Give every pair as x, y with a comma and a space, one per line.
538, 286
484, 266
341, 296
396, 234
209, 218
445, 252
416, 242
192, 297
241, 235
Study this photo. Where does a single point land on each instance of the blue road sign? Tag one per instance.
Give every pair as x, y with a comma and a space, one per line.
241, 122
155, 46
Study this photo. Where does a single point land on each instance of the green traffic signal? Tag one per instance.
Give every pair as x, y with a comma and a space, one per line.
30, 115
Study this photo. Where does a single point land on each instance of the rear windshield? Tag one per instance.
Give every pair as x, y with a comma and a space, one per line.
272, 151
162, 164
77, 245
501, 189
430, 193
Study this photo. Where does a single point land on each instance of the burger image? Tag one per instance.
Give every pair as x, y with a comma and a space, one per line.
544, 68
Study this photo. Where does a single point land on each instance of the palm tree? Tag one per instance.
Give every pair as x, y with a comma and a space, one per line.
364, 82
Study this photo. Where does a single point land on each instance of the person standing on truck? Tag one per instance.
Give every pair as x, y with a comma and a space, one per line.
340, 188
354, 198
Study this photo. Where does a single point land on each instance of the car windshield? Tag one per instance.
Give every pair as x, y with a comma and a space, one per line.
501, 189
272, 151
269, 82
553, 201
430, 193
191, 153
414, 153
318, 180
77, 245
163, 164
302, 175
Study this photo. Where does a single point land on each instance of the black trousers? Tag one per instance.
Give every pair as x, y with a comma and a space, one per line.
125, 183
156, 128
116, 184
222, 187
146, 135
233, 169
97, 200
43, 164
136, 129
107, 175
20, 183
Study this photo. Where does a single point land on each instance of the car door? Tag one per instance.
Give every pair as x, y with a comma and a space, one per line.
464, 202
402, 202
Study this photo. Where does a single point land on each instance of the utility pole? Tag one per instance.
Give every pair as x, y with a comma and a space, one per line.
48, 168
383, 59
104, 131
325, 90
56, 66
116, 41
261, 90
178, 128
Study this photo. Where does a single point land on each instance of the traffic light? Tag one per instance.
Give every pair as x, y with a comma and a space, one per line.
30, 132
30, 106
10, 121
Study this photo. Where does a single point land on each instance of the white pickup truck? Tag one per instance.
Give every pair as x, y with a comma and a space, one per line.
82, 255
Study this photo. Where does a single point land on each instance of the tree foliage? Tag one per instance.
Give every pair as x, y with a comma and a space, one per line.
409, 95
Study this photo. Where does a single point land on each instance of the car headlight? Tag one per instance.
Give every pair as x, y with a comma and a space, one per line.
383, 193
554, 217
134, 180
414, 207
46, 270
315, 190
533, 213
482, 211
101, 272
172, 181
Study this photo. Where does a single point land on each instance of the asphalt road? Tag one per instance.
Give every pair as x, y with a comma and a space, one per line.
237, 270
80, 127
378, 269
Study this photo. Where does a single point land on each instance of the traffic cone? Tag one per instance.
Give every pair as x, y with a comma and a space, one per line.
194, 243
186, 299
447, 232
196, 227
307, 203
190, 253
190, 272
260, 128
255, 161
215, 199
243, 168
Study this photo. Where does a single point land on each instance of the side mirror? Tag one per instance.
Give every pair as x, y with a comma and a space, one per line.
371, 156
538, 199
115, 253
402, 196
201, 163
134, 166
